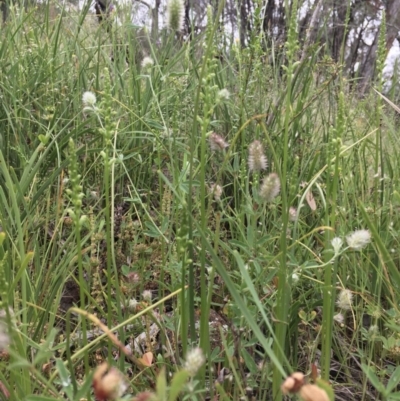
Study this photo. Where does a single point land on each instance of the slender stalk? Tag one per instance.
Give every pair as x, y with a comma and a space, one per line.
285, 271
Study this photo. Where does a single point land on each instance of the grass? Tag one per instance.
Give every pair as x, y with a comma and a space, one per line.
111, 232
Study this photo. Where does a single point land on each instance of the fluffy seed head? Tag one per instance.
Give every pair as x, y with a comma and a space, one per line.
224, 94
194, 361
344, 299
216, 190
358, 239
133, 304
257, 160
270, 187
4, 332
337, 244
88, 99
175, 14
147, 295
373, 330
217, 142
293, 214
147, 62
339, 318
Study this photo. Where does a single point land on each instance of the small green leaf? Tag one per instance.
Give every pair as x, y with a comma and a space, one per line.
178, 382
249, 361
43, 139
302, 315
65, 378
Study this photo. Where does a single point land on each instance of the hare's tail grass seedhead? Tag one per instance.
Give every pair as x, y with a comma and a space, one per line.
358, 239
175, 15
345, 299
270, 187
257, 159
216, 191
217, 143
194, 361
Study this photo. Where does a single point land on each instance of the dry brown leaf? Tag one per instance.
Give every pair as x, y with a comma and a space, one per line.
311, 201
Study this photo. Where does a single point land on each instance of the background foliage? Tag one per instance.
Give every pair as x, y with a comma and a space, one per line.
115, 243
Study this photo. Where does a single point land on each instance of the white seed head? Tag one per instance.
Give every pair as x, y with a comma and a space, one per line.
224, 94
373, 331
358, 239
147, 62
89, 99
270, 187
337, 244
345, 299
147, 295
217, 143
339, 318
216, 190
194, 361
257, 159
133, 304
293, 214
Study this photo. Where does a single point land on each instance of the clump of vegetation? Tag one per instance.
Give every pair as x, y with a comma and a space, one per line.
195, 222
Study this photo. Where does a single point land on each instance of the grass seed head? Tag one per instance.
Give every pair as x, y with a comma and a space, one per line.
257, 159
270, 187
89, 99
194, 361
224, 94
217, 143
216, 190
147, 295
293, 214
345, 299
175, 15
358, 239
339, 318
147, 62
337, 244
